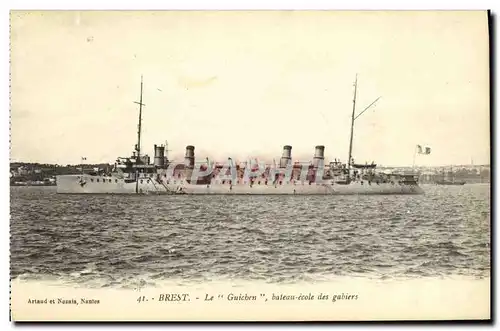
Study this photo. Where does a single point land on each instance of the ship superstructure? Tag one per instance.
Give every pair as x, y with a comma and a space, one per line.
136, 174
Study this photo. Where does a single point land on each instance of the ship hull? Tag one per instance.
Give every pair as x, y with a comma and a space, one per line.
73, 184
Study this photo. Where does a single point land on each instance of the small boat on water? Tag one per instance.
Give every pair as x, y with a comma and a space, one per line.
451, 179
450, 182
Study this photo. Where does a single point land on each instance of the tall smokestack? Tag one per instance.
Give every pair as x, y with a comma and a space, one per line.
159, 160
189, 157
319, 156
286, 157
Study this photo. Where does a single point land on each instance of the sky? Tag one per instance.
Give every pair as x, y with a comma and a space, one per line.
244, 84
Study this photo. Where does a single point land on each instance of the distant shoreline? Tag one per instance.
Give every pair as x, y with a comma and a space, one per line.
104, 164
31, 185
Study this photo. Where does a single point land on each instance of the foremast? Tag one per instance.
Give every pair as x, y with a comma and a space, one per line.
138, 145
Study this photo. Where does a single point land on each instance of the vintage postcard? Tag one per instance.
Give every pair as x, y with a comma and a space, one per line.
250, 165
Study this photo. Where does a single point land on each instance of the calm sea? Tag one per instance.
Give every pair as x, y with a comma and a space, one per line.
120, 241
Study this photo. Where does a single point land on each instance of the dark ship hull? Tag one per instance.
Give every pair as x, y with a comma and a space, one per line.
449, 182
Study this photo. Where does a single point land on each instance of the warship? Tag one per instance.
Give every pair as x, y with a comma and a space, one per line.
136, 174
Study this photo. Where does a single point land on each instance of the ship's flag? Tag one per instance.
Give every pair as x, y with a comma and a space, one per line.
425, 151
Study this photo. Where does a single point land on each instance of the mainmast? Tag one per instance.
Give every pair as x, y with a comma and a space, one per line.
353, 118
352, 130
